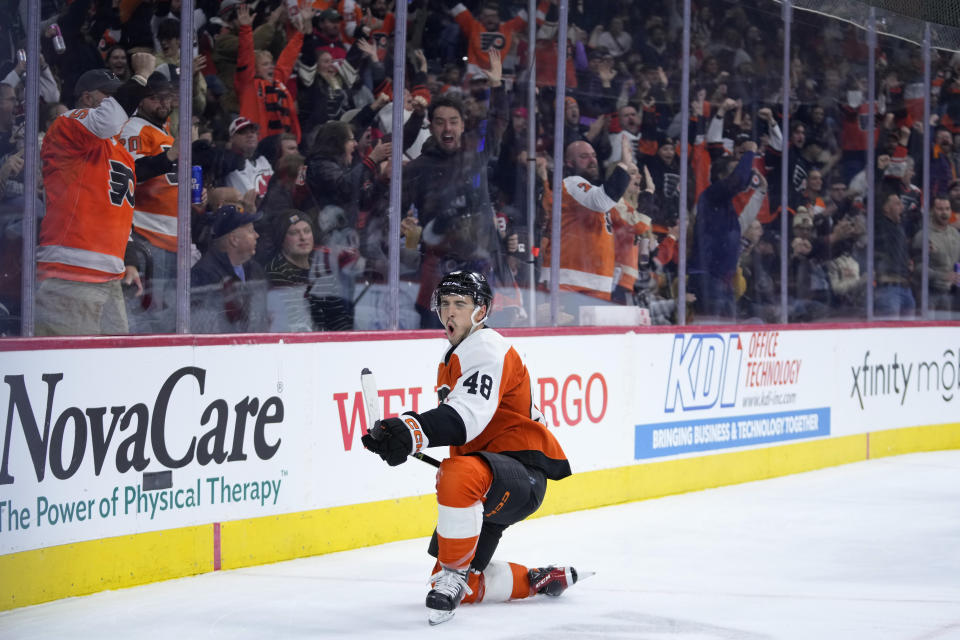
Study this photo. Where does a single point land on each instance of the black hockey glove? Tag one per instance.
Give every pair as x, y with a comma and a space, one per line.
391, 439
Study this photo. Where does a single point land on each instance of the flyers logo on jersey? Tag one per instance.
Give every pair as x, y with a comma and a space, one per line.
704, 368
492, 39
121, 183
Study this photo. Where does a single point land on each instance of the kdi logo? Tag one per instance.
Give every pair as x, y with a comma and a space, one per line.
704, 368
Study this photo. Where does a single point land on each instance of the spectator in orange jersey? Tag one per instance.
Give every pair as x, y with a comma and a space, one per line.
586, 233
264, 98
486, 32
374, 17
226, 47
147, 133
501, 455
89, 179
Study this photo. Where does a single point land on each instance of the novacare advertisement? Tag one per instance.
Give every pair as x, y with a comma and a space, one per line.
106, 442
175, 442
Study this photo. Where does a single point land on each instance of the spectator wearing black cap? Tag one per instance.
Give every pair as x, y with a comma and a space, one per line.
288, 273
228, 287
597, 90
154, 235
327, 36
664, 168
89, 180
287, 190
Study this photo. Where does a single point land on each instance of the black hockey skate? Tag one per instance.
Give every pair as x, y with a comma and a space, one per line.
552, 581
448, 590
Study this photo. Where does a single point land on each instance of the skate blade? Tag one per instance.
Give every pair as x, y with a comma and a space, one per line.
583, 575
438, 616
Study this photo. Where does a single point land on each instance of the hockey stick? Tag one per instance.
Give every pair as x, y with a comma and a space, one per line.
368, 386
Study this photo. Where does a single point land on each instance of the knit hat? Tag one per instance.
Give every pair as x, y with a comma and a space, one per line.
286, 220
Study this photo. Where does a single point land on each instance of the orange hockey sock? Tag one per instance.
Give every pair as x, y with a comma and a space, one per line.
462, 483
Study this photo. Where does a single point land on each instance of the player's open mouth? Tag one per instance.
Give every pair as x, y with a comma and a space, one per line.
447, 138
451, 328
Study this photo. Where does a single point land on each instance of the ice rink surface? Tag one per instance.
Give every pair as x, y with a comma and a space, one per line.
868, 550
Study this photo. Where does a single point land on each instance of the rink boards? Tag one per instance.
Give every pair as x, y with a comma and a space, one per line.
127, 461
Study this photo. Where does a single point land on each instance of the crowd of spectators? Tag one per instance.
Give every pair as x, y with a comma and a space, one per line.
292, 128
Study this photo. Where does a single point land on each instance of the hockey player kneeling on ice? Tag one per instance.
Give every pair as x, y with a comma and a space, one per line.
501, 455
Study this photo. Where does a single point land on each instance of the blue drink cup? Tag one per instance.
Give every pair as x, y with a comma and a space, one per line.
196, 184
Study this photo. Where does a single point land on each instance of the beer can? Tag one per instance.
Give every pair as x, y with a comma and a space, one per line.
58, 44
196, 184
